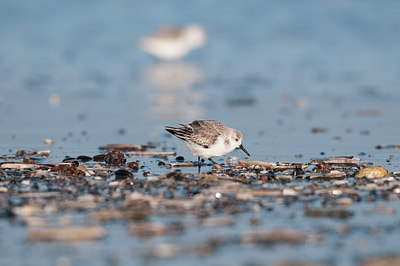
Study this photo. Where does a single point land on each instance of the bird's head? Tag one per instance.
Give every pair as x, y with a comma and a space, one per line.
237, 138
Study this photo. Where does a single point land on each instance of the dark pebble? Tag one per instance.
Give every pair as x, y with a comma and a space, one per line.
99, 158
73, 161
122, 174
161, 163
172, 175
180, 159
84, 158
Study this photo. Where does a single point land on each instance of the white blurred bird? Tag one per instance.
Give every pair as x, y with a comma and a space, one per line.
174, 43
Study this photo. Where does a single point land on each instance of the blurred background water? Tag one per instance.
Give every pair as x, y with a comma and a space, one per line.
73, 71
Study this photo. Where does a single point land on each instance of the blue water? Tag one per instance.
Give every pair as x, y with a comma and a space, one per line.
273, 69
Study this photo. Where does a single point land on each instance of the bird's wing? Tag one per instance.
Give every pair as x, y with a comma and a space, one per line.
205, 132
201, 132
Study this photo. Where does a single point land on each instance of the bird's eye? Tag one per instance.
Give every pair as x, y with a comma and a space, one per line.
237, 139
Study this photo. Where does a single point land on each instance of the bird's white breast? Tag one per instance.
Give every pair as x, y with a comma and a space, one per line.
218, 148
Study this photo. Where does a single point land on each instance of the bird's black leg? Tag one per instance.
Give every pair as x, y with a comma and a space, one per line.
198, 158
212, 161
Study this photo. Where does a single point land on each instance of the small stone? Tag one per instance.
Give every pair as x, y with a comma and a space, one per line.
48, 142
21, 153
289, 192
372, 172
25, 182
83, 158
82, 168
216, 168
316, 130
73, 161
99, 157
345, 201
284, 178
67, 170
28, 160
215, 221
122, 174
84, 233
54, 100
134, 166
396, 190
115, 158
180, 159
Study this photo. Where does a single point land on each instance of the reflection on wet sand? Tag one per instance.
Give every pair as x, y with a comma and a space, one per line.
174, 96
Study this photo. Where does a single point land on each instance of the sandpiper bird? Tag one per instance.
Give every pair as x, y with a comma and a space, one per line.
208, 138
174, 43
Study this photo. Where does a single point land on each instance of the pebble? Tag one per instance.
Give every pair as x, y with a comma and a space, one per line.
133, 165
372, 172
122, 174
345, 201
286, 236
99, 158
216, 168
155, 229
84, 158
115, 158
48, 142
180, 159
289, 192
83, 233
215, 222
284, 178
67, 170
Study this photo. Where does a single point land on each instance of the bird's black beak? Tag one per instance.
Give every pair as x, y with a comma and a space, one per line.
243, 149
